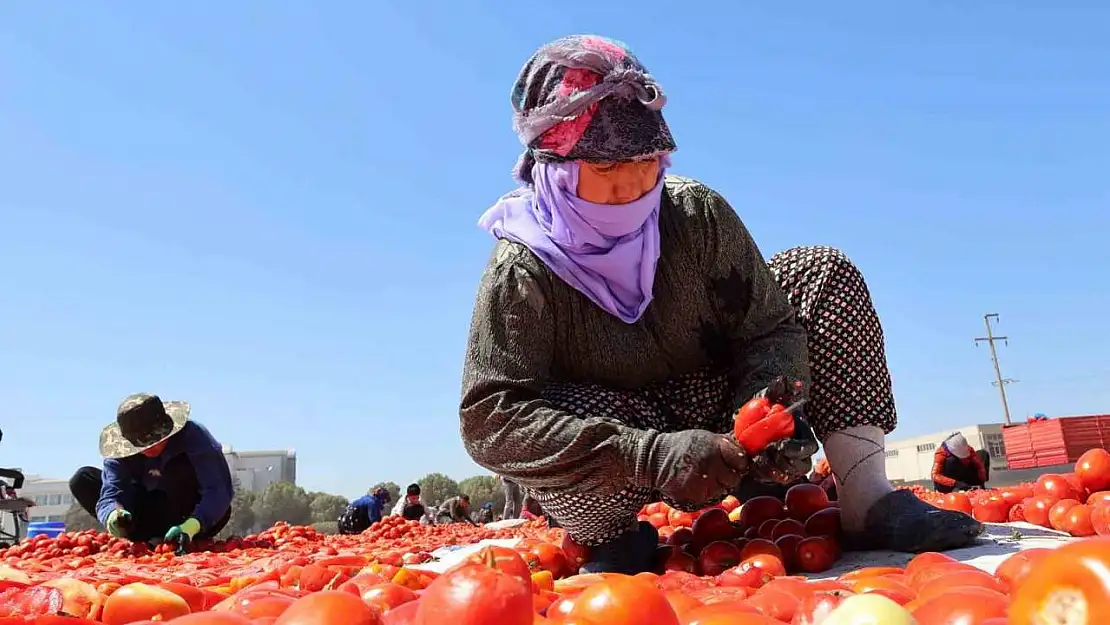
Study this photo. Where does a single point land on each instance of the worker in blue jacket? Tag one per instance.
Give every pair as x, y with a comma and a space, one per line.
364, 512
164, 478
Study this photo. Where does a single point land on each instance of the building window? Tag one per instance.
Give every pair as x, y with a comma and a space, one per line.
996, 447
892, 453
926, 447
54, 499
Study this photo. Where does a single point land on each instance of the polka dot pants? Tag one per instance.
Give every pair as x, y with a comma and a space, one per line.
850, 385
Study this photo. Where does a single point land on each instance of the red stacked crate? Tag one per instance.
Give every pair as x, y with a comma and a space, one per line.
1019, 447
1083, 433
1047, 438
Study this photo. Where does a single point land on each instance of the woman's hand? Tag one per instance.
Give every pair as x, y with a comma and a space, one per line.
697, 466
788, 459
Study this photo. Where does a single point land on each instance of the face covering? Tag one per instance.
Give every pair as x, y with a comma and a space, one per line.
607, 252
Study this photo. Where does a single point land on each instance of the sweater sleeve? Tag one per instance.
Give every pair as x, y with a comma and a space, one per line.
938, 469
764, 339
112, 493
213, 477
506, 426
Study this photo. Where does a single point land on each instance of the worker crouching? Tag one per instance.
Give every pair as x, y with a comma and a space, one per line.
164, 477
956, 466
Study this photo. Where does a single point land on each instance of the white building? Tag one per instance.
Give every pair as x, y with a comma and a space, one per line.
257, 469
51, 497
911, 459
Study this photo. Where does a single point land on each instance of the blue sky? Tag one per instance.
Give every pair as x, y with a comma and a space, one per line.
268, 209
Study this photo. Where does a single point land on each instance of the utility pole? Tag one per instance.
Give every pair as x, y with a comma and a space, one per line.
1001, 383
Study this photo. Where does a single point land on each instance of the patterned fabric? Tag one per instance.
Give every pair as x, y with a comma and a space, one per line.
587, 98
142, 421
847, 352
823, 285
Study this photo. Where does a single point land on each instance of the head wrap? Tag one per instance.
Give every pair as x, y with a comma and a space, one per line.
957, 445
587, 98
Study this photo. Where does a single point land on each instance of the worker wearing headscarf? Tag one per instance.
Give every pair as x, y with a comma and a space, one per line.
956, 466
625, 314
164, 476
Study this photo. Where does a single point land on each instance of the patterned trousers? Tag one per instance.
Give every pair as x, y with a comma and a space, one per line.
850, 385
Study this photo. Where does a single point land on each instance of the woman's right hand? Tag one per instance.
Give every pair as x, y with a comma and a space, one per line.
697, 466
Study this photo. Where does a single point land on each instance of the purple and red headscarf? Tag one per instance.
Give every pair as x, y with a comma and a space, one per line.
586, 98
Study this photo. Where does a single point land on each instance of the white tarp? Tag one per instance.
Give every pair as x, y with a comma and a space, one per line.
998, 543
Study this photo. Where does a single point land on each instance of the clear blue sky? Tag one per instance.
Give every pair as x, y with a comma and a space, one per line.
268, 208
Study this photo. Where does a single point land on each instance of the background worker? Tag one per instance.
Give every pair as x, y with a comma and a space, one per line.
513, 497
956, 466
164, 477
413, 508
455, 510
364, 512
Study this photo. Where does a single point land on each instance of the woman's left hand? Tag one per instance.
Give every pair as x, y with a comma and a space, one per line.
786, 460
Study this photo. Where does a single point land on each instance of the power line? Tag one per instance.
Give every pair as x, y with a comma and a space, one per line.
1000, 382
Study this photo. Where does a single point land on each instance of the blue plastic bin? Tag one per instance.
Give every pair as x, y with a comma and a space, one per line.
47, 528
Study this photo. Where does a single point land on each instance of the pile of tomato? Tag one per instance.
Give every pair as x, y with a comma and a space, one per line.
802, 532
728, 564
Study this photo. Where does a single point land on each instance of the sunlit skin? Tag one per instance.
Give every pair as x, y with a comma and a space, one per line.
616, 183
155, 451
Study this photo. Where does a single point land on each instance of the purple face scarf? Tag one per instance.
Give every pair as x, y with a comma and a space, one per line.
607, 252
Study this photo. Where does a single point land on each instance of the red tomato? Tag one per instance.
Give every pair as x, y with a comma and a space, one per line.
79, 598
991, 510
711, 526
1056, 487
1093, 469
732, 612
617, 600
816, 607
1036, 510
759, 546
330, 607
824, 523
1100, 518
777, 604
1013, 570
474, 594
503, 559
896, 591
803, 500
212, 618
786, 527
388, 596
759, 509
1077, 521
815, 554
34, 601
961, 605
1058, 513
957, 502
1068, 585
959, 579
404, 615
718, 557
1101, 497
141, 602
769, 563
